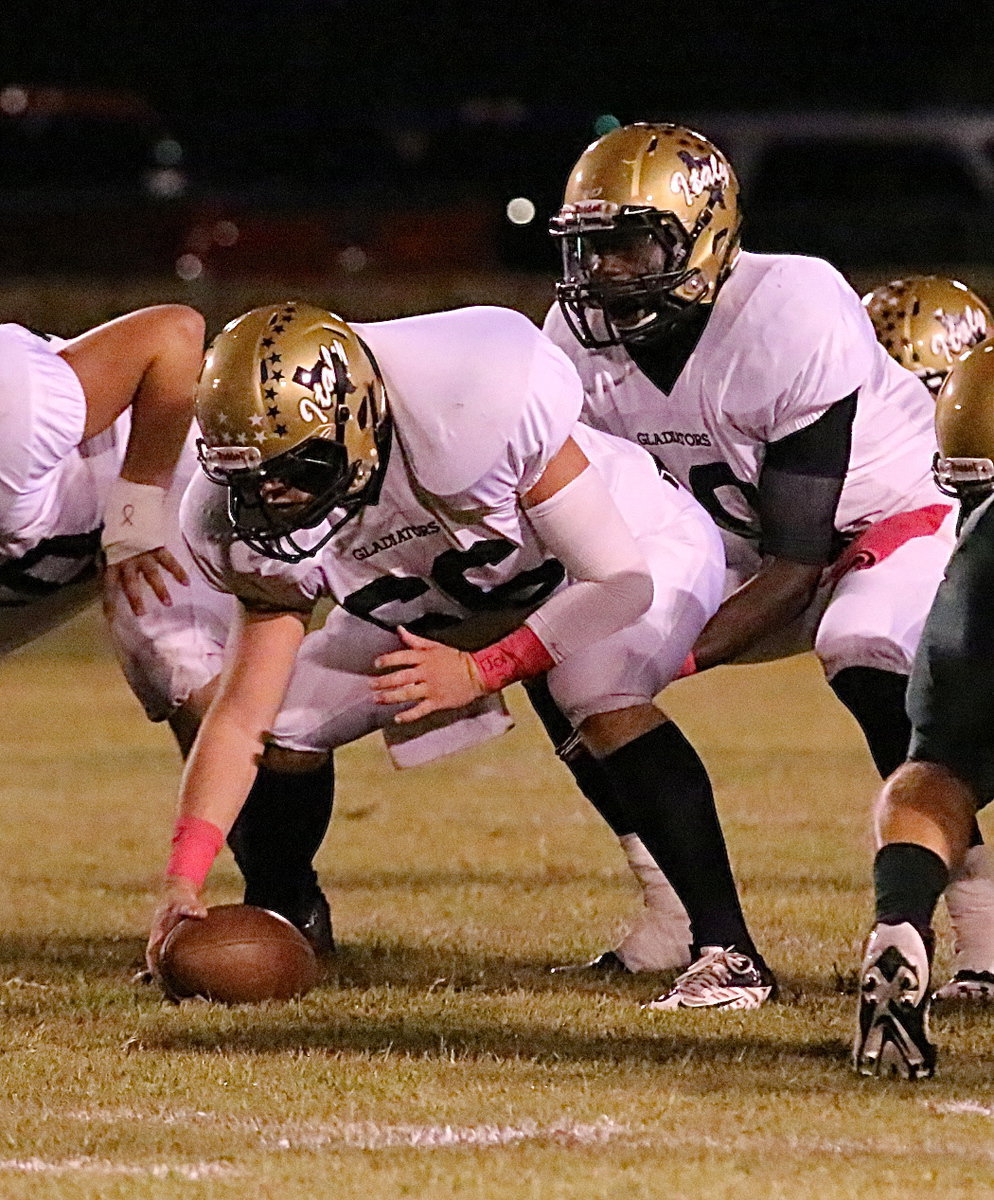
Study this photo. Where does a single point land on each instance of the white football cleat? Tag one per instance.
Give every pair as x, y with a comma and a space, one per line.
971, 987
969, 898
720, 978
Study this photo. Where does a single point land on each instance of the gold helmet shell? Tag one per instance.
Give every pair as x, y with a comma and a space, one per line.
964, 424
926, 322
290, 393
676, 184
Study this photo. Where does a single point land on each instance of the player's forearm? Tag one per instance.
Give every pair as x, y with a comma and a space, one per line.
775, 596
162, 406
226, 755
610, 581
216, 783
220, 771
158, 433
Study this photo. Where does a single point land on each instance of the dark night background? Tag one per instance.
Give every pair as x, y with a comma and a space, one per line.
323, 118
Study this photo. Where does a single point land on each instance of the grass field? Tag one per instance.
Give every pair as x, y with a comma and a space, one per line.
439, 1059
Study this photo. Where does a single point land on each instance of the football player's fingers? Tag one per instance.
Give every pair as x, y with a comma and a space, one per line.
402, 695
110, 585
165, 921
392, 679
414, 640
129, 582
416, 713
154, 947
153, 577
398, 658
175, 568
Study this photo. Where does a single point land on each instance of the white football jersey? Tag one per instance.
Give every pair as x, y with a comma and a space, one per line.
787, 339
53, 485
481, 403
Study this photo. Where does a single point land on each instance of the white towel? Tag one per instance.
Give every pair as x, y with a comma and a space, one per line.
442, 733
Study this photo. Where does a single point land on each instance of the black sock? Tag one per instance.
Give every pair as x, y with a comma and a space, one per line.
908, 880
668, 795
278, 833
876, 699
590, 776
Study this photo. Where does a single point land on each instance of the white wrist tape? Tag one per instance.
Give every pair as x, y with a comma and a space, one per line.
134, 520
609, 582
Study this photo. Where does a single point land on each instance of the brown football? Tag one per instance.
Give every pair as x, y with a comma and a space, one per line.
237, 954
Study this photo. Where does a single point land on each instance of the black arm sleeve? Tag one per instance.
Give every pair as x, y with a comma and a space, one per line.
800, 484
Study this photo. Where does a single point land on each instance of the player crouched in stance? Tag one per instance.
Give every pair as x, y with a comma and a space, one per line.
926, 812
91, 430
926, 323
757, 382
95, 451
429, 475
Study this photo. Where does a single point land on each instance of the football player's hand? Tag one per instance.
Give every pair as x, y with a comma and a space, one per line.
132, 575
179, 899
429, 674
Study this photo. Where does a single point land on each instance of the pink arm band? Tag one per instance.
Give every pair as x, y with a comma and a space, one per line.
689, 667
520, 655
196, 844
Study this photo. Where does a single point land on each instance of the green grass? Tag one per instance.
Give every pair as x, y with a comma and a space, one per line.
439, 1058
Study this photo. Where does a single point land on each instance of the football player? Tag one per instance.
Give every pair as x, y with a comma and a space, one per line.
92, 431
428, 474
94, 458
926, 812
756, 380
96, 454
926, 322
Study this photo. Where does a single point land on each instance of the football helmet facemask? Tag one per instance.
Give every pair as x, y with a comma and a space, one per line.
648, 230
926, 322
294, 422
964, 426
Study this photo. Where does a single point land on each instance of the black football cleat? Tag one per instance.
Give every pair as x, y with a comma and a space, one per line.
315, 924
892, 1038
311, 915
608, 963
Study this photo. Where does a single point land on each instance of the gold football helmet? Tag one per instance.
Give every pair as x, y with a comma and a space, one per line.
649, 230
294, 418
964, 426
926, 322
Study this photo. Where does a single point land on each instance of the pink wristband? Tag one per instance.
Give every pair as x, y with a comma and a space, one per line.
520, 655
196, 843
689, 667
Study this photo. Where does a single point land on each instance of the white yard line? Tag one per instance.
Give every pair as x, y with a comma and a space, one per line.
375, 1135
959, 1108
372, 1135
102, 1166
